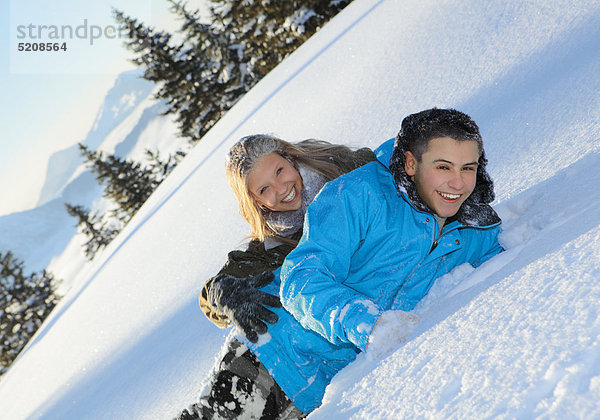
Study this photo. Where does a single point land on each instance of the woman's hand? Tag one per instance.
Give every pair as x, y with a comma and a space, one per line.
243, 303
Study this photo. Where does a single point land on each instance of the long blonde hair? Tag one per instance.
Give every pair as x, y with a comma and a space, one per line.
318, 155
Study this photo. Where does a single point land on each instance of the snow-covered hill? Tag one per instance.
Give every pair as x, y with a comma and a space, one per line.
127, 124
519, 337
120, 103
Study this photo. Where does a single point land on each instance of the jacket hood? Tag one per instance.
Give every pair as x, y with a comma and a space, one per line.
475, 211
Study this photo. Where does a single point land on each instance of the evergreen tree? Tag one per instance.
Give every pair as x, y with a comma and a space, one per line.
268, 30
216, 70
186, 77
98, 231
126, 183
25, 301
202, 77
161, 169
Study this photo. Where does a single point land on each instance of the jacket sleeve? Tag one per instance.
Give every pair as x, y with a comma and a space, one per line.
256, 259
489, 246
313, 275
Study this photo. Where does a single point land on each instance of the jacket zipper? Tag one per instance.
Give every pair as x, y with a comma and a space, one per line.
436, 237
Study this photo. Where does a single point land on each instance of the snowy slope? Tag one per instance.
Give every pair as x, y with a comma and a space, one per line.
120, 102
126, 125
516, 338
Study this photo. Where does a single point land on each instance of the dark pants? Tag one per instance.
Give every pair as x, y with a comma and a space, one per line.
242, 388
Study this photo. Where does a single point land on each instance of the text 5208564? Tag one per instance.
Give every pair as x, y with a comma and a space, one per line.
42, 46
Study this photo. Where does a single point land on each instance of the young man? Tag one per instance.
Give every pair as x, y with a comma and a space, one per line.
375, 239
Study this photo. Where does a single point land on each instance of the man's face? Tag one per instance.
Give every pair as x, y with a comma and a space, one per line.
446, 175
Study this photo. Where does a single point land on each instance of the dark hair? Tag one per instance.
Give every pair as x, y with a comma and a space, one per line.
418, 129
414, 136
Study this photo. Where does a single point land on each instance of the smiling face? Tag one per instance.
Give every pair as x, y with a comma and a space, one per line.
275, 184
446, 174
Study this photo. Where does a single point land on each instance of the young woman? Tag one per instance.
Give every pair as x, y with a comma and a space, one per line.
274, 182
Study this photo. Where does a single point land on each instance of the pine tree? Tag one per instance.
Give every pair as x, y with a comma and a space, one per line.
267, 30
126, 183
218, 62
98, 231
161, 169
25, 301
217, 73
199, 79
185, 77
153, 50
162, 64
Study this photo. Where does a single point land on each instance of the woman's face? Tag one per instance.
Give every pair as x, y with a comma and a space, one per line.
275, 184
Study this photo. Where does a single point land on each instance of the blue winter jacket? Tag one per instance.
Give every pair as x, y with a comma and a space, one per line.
365, 249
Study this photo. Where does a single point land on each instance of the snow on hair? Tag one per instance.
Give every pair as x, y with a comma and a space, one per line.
247, 151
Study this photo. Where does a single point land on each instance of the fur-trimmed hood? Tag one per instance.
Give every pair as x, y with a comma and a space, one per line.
475, 211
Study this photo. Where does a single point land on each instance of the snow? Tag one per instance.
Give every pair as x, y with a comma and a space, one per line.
126, 125
523, 347
518, 337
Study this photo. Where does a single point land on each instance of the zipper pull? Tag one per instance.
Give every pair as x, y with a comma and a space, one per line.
435, 243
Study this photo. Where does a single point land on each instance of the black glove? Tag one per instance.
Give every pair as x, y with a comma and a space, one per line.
240, 300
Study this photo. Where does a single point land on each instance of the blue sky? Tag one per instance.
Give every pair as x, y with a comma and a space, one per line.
50, 99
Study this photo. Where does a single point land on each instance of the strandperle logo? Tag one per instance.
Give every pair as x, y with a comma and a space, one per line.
37, 33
